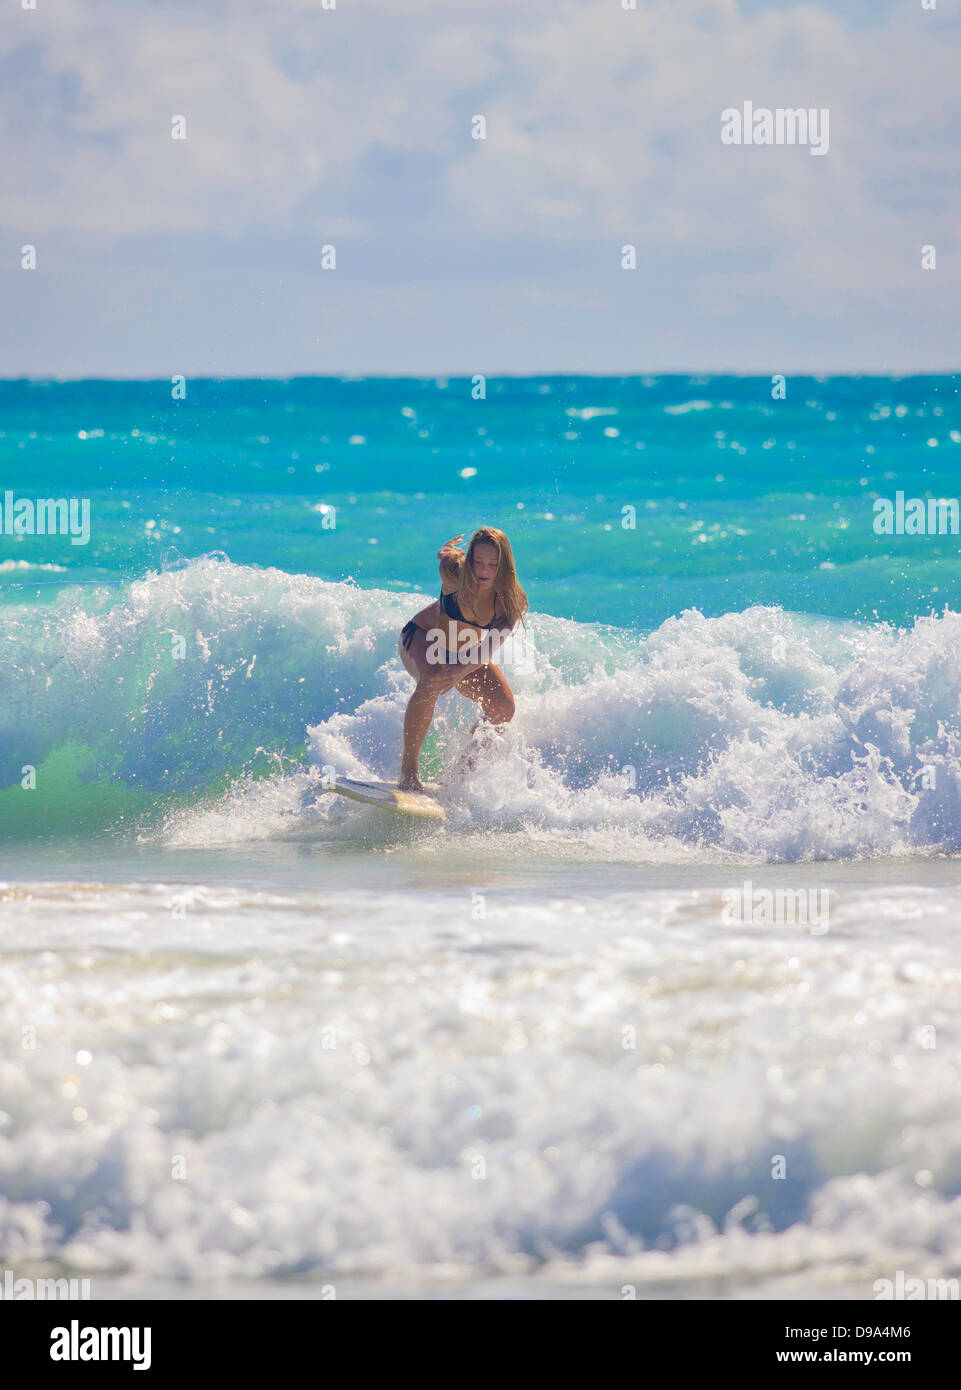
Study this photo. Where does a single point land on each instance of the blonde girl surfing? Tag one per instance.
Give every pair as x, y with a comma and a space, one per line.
448, 645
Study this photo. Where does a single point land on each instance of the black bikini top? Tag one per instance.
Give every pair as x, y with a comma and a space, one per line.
452, 608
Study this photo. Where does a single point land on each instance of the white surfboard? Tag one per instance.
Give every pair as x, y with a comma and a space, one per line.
389, 797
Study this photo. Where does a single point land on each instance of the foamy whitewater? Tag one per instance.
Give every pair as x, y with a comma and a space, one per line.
279, 1040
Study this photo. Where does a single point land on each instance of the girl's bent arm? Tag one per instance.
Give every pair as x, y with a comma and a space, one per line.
451, 564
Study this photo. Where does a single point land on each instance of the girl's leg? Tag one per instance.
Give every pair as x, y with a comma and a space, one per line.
420, 712
432, 681
487, 685
489, 688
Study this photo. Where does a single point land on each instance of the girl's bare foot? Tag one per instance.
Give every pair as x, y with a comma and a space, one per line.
410, 782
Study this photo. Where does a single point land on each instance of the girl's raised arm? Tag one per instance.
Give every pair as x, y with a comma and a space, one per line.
451, 563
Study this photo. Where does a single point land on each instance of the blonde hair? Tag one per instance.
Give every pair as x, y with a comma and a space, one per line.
513, 600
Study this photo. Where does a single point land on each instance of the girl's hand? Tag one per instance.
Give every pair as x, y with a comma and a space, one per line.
450, 551
452, 561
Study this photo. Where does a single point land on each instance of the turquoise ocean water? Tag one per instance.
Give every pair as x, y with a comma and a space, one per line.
331, 1015
740, 498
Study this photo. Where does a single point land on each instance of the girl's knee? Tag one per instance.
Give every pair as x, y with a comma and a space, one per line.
503, 711
437, 682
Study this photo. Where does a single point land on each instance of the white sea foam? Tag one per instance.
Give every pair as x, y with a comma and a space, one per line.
757, 733
761, 734
590, 412
6, 565
387, 1085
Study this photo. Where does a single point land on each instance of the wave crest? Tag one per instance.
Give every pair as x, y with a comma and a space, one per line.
760, 733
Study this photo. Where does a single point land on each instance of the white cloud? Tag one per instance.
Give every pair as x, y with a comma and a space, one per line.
603, 128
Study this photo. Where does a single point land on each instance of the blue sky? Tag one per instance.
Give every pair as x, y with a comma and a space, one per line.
351, 127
